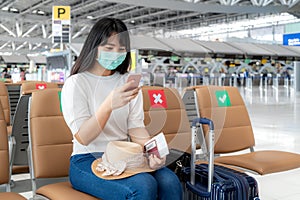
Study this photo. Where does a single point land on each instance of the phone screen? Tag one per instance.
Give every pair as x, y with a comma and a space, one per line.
136, 78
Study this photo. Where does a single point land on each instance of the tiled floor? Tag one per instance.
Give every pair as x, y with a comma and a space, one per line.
275, 116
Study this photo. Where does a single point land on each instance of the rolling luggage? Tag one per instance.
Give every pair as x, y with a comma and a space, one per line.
215, 182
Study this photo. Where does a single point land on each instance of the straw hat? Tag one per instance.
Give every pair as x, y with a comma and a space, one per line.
121, 159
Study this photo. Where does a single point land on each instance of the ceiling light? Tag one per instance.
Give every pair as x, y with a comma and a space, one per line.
90, 17
5, 8
41, 12
13, 9
6, 53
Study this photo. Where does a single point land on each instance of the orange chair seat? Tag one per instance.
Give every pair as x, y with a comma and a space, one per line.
63, 191
263, 162
11, 195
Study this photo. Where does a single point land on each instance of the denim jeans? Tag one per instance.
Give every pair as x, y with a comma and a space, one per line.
162, 184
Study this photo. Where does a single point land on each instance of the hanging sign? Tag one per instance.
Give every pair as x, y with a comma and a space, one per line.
291, 39
61, 24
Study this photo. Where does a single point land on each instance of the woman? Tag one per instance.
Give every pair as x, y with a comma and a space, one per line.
98, 108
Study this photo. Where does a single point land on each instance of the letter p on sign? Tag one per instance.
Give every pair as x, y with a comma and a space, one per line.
61, 12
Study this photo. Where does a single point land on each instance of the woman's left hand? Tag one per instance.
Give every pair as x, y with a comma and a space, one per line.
155, 162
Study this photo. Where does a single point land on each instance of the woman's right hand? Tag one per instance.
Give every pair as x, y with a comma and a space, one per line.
121, 95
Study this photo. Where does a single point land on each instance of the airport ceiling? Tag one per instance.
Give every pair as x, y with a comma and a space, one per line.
26, 25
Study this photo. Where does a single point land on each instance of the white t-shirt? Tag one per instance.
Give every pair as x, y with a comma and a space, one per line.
83, 93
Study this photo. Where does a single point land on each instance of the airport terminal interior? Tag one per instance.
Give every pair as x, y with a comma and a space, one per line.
250, 45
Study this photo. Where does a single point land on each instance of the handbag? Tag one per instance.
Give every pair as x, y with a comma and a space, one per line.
177, 160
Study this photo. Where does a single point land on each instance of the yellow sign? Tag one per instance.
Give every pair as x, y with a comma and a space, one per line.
55, 50
61, 12
133, 60
264, 61
61, 24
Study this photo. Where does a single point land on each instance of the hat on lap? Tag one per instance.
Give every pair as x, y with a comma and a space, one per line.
121, 159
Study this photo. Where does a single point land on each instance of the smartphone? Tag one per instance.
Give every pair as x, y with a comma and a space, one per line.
136, 78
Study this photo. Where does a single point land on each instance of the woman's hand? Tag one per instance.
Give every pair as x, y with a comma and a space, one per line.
155, 162
121, 95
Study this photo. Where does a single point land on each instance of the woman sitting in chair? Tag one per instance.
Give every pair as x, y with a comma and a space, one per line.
99, 106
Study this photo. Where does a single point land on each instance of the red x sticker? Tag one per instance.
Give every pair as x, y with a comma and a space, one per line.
157, 98
40, 86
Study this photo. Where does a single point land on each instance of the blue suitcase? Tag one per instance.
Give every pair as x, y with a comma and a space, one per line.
215, 182
228, 184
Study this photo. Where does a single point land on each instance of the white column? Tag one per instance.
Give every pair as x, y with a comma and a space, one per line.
297, 76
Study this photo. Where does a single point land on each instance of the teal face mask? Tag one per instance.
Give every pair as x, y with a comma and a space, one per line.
111, 60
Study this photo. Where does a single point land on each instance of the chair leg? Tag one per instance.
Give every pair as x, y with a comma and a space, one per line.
12, 148
12, 183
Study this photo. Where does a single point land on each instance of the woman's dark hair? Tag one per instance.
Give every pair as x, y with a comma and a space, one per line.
99, 35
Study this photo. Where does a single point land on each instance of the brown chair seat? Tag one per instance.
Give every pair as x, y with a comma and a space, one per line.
4, 160
4, 99
63, 191
11, 195
263, 162
233, 131
171, 120
20, 124
50, 147
28, 87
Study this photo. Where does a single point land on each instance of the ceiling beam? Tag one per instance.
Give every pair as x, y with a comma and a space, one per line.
7, 30
25, 18
202, 7
34, 40
147, 15
30, 30
82, 6
169, 19
33, 7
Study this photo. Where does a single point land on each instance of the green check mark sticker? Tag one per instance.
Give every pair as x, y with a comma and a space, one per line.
59, 97
223, 98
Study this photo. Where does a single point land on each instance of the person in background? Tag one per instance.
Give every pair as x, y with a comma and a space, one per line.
98, 108
22, 74
5, 73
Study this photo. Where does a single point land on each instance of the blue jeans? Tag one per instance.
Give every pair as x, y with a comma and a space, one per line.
162, 184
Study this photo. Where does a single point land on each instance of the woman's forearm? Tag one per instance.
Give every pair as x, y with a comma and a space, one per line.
92, 127
139, 135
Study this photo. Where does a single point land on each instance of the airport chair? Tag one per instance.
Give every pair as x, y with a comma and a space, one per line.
28, 87
14, 95
4, 98
5, 170
50, 147
233, 131
164, 112
6, 80
20, 124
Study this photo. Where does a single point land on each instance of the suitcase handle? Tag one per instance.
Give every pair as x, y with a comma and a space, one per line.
203, 121
195, 125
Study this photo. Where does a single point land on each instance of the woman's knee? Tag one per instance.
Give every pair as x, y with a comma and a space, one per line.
144, 187
169, 185
165, 176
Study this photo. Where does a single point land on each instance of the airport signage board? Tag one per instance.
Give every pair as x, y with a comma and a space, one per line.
61, 24
292, 39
